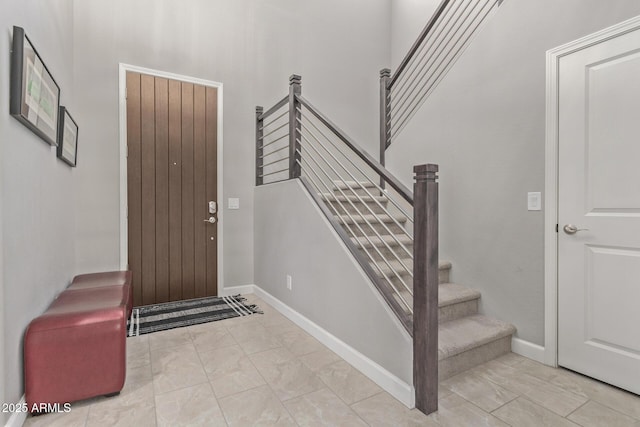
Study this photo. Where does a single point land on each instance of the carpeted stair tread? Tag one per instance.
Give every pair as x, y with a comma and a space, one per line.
452, 293
467, 333
395, 264
391, 240
352, 184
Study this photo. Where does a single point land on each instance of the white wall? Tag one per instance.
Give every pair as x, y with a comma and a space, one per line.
292, 237
408, 18
37, 190
250, 46
485, 126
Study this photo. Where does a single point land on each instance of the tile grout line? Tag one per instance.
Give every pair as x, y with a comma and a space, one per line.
570, 413
315, 374
263, 378
269, 385
476, 406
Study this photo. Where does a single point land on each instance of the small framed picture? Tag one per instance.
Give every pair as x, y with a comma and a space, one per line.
34, 94
67, 138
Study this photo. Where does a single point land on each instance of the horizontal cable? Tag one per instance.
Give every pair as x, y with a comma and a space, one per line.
456, 50
371, 259
431, 56
419, 41
275, 130
274, 120
275, 140
360, 229
273, 152
275, 182
363, 154
420, 53
275, 108
361, 214
274, 172
275, 161
353, 190
393, 202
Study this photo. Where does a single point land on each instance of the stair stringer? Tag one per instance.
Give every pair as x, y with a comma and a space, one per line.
293, 237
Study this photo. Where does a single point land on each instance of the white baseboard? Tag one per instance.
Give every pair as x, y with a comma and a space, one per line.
527, 349
235, 290
399, 389
17, 419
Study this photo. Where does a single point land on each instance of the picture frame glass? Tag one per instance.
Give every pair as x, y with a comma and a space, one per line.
37, 92
67, 138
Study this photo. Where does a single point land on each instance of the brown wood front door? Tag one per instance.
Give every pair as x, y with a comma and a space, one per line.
171, 178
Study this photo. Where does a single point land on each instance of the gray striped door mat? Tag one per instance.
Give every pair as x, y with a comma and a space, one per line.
177, 314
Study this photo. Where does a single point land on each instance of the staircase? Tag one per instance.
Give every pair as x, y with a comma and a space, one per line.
466, 338
386, 227
379, 219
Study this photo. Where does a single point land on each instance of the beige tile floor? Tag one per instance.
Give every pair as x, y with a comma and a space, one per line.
263, 370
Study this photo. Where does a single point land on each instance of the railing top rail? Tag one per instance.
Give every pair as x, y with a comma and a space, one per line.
275, 108
416, 45
377, 167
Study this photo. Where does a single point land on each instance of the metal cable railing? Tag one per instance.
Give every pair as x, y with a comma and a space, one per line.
367, 202
364, 207
393, 238
356, 216
272, 139
436, 50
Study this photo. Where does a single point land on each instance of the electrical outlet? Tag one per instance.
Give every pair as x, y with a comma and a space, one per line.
288, 282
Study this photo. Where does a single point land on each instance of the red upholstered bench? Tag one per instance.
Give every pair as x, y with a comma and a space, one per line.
76, 349
121, 279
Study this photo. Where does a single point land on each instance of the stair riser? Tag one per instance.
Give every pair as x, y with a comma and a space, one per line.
389, 253
450, 312
407, 279
357, 207
443, 277
457, 311
391, 228
474, 357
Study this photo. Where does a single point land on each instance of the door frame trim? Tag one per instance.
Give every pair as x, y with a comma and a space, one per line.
552, 177
123, 68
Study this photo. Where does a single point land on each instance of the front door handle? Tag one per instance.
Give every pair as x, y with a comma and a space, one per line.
572, 229
211, 220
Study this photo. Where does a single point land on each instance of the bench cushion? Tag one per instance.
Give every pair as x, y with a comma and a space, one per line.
113, 279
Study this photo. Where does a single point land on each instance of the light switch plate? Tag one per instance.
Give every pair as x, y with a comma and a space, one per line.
534, 201
234, 203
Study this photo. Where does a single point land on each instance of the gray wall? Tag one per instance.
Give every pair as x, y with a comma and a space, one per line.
252, 47
408, 18
37, 191
293, 237
485, 126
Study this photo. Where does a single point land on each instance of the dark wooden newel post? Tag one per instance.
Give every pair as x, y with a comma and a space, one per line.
385, 111
295, 88
259, 152
425, 287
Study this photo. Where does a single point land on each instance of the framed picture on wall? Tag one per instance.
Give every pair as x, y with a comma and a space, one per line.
35, 95
67, 138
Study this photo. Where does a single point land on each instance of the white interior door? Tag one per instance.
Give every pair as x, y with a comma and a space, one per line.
599, 191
